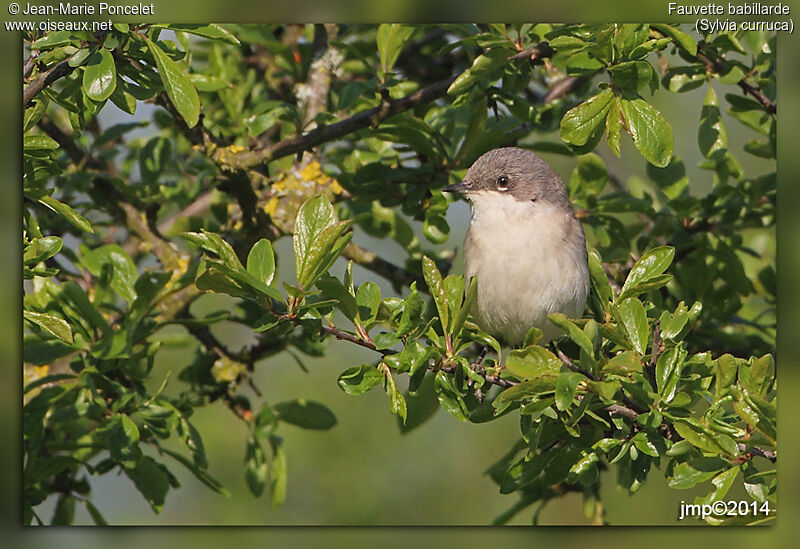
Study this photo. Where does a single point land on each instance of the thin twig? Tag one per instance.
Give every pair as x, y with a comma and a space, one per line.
571, 365
30, 62
650, 370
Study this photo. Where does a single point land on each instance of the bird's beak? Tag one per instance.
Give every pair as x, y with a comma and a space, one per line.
459, 187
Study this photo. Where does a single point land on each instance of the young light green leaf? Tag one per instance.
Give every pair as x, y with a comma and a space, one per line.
314, 216
391, 39
581, 122
648, 269
532, 362
179, 88
487, 66
50, 324
651, 132
100, 75
433, 278
261, 261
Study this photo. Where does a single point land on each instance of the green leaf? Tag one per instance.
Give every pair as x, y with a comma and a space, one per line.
532, 362
435, 228
212, 242
599, 280
672, 179
261, 261
39, 143
65, 211
681, 38
256, 467
122, 439
433, 278
461, 317
632, 75
631, 316
213, 31
52, 39
151, 480
368, 301
614, 126
651, 132
700, 437
648, 269
179, 88
277, 472
588, 177
124, 273
100, 75
50, 324
359, 379
624, 363
712, 137
544, 384
323, 251
64, 513
41, 248
690, 473
397, 404
199, 473
566, 387
306, 414
449, 397
487, 67
575, 334
314, 216
583, 64
391, 39
581, 122
668, 370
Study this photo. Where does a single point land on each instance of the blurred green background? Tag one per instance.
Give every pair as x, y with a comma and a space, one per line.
426, 477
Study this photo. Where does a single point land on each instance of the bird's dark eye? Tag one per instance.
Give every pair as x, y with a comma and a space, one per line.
502, 183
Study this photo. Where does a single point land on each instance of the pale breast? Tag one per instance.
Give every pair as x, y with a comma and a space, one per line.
529, 260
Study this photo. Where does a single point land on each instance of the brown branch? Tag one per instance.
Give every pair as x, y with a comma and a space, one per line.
44, 80
620, 410
323, 134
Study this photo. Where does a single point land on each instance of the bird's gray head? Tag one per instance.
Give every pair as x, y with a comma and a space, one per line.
515, 172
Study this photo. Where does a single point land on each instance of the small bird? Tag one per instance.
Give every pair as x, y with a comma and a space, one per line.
524, 246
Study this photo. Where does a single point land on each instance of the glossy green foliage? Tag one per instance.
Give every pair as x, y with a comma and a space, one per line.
326, 134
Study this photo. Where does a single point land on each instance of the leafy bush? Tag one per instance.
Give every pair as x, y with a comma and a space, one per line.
312, 131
